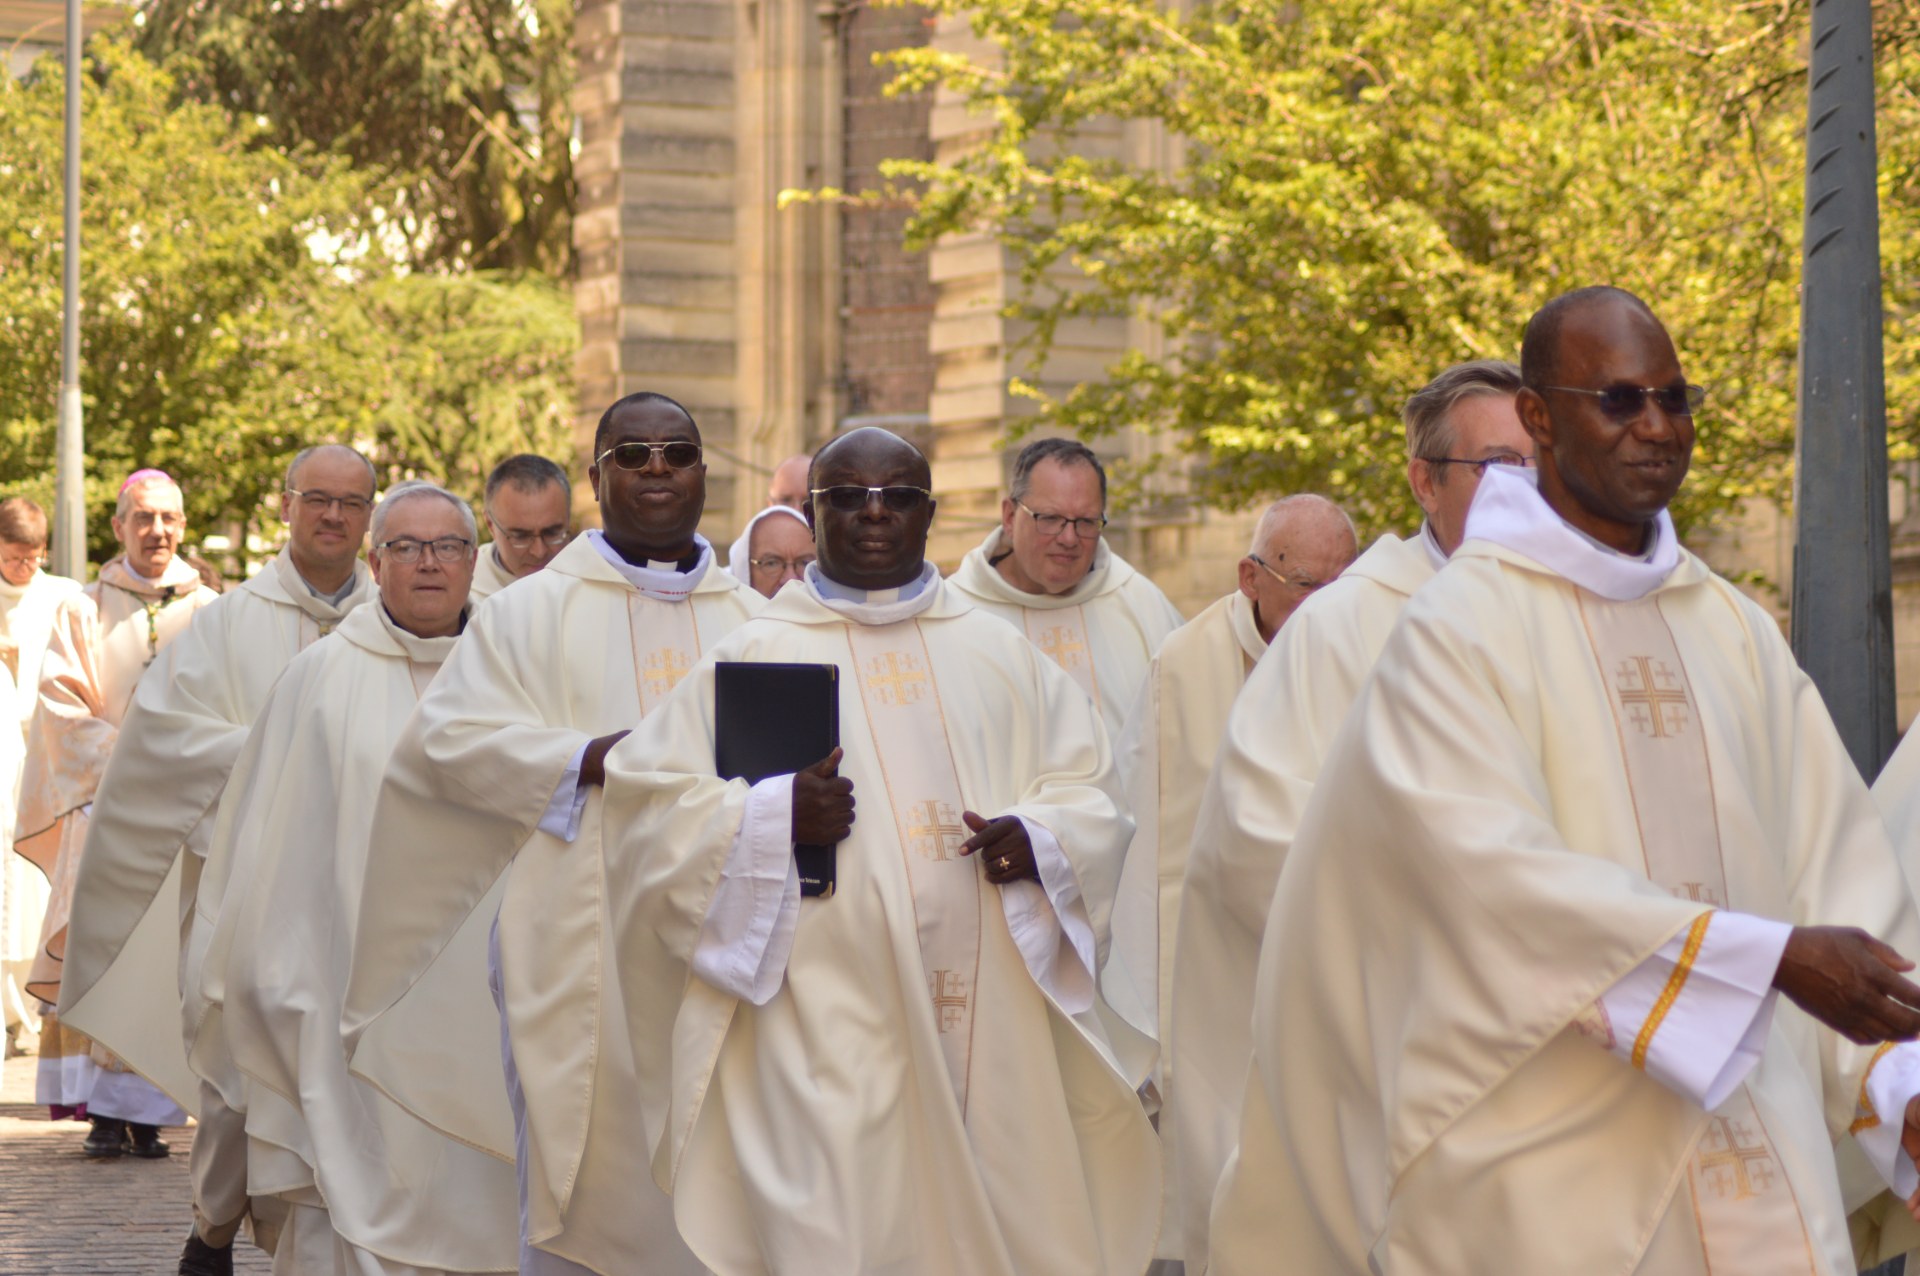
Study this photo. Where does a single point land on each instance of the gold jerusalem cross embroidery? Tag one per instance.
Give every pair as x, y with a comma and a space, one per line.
1062, 647
664, 670
1734, 1164
1649, 694
936, 831
896, 679
949, 998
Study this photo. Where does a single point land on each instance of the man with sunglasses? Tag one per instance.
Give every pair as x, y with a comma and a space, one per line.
911, 1075
1049, 571
489, 820
1459, 425
1585, 823
366, 1186
529, 504
184, 728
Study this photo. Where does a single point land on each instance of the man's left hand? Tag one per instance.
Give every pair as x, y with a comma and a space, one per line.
1004, 845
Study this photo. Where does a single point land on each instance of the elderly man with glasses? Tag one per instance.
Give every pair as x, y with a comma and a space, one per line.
489, 819
1048, 570
529, 503
188, 718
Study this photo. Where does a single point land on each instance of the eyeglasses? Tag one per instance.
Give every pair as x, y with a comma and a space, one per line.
556, 539
1052, 525
448, 549
166, 520
1480, 464
850, 499
1624, 402
33, 558
1305, 584
638, 456
320, 502
772, 565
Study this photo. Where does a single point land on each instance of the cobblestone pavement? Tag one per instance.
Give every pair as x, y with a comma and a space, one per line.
64, 1215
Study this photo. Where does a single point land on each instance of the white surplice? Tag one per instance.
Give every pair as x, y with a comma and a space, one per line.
913, 1075
1103, 631
1278, 731
1546, 790
462, 831
280, 896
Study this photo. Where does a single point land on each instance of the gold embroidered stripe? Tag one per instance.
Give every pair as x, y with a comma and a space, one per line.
1865, 1117
1696, 935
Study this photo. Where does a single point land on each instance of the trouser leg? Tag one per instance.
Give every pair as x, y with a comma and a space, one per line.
218, 1165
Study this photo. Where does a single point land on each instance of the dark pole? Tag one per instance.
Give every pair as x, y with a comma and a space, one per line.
1842, 575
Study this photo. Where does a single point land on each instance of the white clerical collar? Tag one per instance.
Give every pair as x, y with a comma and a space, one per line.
1508, 510
661, 580
1431, 543
875, 606
334, 599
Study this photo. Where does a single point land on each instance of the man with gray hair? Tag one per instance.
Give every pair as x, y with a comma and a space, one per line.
374, 1188
529, 503
1167, 749
183, 730
1048, 570
1457, 425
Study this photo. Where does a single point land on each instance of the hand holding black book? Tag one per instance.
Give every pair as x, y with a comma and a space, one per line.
778, 719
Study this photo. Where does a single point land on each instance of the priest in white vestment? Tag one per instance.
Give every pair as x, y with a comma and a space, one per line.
102, 642
1517, 1000
370, 1189
491, 806
1458, 424
529, 503
27, 599
1048, 571
911, 1074
1166, 751
129, 954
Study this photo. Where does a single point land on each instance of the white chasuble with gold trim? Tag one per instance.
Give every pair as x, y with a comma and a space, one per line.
911, 1098
569, 653
1534, 794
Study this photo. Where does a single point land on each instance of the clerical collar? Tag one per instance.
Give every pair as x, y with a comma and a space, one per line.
1508, 510
875, 606
668, 582
334, 599
1431, 543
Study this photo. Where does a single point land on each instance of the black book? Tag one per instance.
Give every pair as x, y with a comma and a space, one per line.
771, 719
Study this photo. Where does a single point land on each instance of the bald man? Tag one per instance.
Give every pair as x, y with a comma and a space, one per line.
789, 485
1173, 732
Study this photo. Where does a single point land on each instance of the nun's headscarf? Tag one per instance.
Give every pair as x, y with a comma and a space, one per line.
740, 556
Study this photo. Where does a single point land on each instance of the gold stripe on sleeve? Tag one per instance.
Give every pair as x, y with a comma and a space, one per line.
1696, 935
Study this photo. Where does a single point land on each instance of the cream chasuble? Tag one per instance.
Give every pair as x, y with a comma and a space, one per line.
1279, 730
572, 652
908, 1099
1103, 631
125, 965
26, 622
489, 577
1537, 790
283, 878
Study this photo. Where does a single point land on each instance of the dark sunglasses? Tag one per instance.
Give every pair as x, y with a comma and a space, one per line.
1623, 402
637, 456
848, 499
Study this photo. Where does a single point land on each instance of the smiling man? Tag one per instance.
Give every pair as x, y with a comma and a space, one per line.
1048, 570
183, 729
529, 505
101, 642
1584, 825
491, 809
910, 1075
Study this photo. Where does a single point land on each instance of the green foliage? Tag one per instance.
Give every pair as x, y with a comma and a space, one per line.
1363, 193
458, 111
220, 332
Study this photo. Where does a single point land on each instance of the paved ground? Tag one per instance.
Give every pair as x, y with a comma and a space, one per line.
62, 1214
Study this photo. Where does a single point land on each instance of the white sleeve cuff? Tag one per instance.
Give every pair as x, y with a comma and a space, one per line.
1049, 924
562, 816
1695, 1015
1891, 1083
748, 932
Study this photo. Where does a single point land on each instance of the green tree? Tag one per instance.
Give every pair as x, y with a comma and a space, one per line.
1365, 193
459, 112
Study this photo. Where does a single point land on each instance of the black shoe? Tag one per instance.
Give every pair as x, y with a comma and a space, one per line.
107, 1138
202, 1259
147, 1141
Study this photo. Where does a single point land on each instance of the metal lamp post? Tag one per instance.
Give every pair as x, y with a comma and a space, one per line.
70, 498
